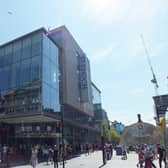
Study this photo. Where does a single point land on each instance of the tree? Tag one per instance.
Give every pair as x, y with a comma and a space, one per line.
110, 135
106, 131
115, 136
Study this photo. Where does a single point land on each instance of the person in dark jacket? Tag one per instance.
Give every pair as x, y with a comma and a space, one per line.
55, 156
162, 155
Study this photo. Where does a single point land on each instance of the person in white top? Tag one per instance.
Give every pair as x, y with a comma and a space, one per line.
34, 159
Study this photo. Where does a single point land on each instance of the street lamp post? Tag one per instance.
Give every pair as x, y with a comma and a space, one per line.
62, 131
103, 145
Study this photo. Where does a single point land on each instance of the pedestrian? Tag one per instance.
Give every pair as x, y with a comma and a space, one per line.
124, 154
149, 159
111, 150
0, 153
55, 156
50, 158
162, 155
141, 158
34, 159
149, 163
45, 151
87, 148
4, 153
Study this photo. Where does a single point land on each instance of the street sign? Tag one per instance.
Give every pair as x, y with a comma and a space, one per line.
161, 100
161, 104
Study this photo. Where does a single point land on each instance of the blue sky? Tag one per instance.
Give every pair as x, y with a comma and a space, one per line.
109, 33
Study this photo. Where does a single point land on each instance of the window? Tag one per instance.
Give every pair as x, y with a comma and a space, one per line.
46, 46
46, 69
35, 68
8, 55
36, 44
54, 100
53, 75
5, 78
46, 96
53, 53
26, 48
15, 75
17, 51
25, 71
1, 57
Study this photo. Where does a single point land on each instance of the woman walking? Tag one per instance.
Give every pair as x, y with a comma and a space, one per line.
34, 157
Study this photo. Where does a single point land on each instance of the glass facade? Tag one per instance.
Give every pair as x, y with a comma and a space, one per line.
50, 78
29, 75
96, 95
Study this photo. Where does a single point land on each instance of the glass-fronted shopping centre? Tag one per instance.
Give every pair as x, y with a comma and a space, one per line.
43, 76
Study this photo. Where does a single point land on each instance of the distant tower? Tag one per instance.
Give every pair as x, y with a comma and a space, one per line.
139, 118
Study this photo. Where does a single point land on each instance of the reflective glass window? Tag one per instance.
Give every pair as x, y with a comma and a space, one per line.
50, 74
1, 80
2, 57
46, 97
15, 75
36, 44
17, 51
26, 48
25, 71
96, 95
53, 75
46, 70
54, 100
36, 68
46, 46
8, 55
5, 78
54, 53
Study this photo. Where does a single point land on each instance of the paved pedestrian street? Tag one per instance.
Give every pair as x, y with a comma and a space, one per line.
94, 160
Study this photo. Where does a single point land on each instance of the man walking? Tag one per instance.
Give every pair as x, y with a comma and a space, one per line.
162, 155
55, 156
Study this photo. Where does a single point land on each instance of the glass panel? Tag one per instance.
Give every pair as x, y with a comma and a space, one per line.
25, 71
36, 44
1, 80
54, 53
1, 57
36, 68
46, 70
8, 55
15, 75
96, 96
46, 97
5, 78
26, 50
53, 75
54, 100
50, 75
46, 45
17, 51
